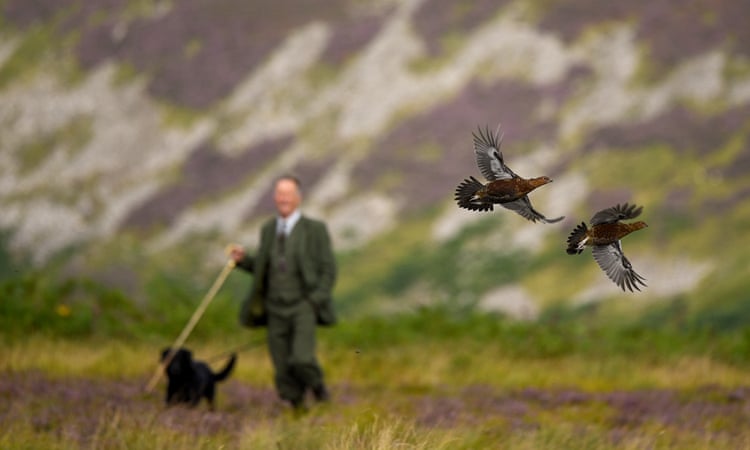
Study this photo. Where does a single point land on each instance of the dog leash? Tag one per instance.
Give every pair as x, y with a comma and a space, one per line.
241, 348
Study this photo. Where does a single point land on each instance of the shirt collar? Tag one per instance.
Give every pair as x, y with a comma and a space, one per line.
289, 222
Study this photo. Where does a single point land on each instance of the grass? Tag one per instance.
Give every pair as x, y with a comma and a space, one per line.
440, 377
459, 392
419, 366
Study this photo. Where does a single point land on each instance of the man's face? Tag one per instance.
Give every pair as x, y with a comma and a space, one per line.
286, 196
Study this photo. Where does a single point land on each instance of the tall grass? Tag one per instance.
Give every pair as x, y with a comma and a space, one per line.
440, 377
377, 387
431, 381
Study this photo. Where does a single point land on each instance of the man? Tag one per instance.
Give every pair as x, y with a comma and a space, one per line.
293, 275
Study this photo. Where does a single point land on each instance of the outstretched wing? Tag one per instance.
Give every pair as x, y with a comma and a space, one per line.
523, 207
617, 267
616, 213
489, 158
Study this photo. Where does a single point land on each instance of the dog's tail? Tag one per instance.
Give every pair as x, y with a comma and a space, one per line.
221, 376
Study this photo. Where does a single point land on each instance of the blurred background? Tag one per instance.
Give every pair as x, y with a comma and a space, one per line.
139, 137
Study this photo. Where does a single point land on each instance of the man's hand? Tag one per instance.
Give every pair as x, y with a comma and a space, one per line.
236, 252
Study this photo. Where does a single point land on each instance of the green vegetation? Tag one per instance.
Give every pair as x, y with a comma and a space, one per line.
40, 45
177, 116
82, 308
31, 49
321, 75
71, 137
406, 257
439, 377
85, 309
125, 73
428, 379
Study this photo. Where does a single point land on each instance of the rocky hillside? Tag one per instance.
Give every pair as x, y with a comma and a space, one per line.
142, 135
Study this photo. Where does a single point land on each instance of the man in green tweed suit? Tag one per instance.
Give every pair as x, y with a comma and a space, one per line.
293, 275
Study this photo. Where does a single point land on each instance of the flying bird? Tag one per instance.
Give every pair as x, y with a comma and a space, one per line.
604, 238
504, 188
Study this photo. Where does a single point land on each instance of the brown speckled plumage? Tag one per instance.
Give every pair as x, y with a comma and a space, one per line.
604, 238
504, 188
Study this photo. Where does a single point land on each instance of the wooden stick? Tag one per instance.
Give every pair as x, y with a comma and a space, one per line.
191, 323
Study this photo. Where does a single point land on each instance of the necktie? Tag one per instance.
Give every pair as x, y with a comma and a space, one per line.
281, 245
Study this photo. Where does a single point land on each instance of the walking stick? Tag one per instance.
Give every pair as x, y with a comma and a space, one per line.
191, 323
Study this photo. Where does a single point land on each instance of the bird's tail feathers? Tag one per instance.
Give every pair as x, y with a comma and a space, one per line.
466, 195
577, 239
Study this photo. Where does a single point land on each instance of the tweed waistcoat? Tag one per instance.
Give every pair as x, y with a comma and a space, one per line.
284, 280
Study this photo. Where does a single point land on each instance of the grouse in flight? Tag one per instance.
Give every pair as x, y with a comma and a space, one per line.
604, 238
504, 188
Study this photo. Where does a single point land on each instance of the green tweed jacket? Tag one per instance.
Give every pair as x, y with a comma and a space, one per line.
317, 270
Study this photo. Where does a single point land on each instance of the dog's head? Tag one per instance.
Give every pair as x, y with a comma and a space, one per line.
180, 364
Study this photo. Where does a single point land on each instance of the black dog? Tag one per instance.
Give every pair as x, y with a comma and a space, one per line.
190, 380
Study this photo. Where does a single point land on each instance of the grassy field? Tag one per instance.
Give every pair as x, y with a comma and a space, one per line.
431, 378
419, 382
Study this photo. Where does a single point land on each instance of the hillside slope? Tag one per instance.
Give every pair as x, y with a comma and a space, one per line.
141, 136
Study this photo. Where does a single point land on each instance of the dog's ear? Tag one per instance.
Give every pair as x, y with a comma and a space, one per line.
164, 353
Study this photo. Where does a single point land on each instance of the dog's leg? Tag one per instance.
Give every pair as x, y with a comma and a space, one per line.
170, 394
194, 396
210, 396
